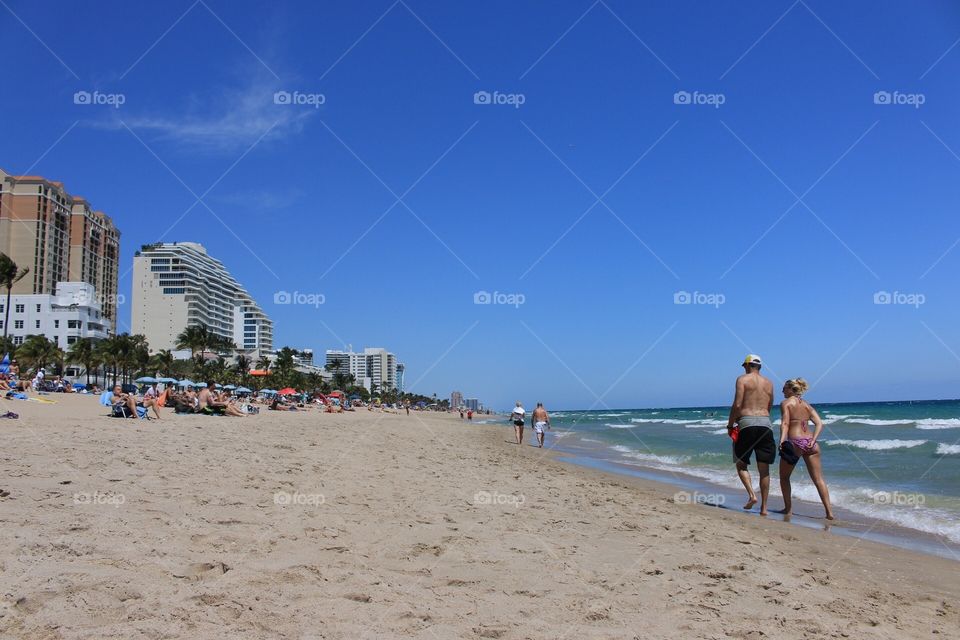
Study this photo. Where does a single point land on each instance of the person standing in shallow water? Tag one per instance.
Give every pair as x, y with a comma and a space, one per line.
753, 432
796, 441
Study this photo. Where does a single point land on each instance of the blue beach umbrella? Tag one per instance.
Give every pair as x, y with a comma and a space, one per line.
243, 390
186, 383
167, 380
146, 380
230, 386
5, 364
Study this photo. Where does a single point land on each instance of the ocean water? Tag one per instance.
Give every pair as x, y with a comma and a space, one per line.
896, 462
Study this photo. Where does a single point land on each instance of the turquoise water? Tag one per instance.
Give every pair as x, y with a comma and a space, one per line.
897, 462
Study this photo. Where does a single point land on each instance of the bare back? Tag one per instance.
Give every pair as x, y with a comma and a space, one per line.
799, 414
755, 393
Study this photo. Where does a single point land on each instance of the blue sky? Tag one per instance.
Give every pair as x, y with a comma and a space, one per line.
597, 199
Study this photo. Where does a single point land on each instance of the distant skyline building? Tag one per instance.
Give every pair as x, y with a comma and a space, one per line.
472, 403
60, 238
456, 400
374, 368
70, 314
179, 284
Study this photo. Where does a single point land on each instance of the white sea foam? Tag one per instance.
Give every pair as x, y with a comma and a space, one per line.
881, 423
938, 423
948, 449
877, 445
612, 415
718, 432
621, 426
664, 420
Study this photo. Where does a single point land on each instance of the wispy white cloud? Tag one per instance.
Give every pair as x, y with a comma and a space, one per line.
232, 120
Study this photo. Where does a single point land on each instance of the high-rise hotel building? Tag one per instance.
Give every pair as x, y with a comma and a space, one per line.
179, 284
375, 368
60, 238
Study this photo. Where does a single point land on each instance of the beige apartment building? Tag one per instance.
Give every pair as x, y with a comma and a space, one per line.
60, 238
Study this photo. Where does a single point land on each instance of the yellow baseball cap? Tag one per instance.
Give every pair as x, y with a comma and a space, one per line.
752, 358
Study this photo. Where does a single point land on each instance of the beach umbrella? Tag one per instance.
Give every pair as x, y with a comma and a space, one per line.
230, 386
243, 390
186, 382
218, 386
287, 391
167, 380
146, 380
5, 364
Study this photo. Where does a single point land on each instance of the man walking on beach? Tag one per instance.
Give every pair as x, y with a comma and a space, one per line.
541, 421
518, 417
753, 432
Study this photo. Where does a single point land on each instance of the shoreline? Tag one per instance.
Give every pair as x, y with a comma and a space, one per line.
807, 514
301, 525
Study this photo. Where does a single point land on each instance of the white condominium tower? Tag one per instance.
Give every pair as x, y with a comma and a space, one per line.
375, 368
178, 284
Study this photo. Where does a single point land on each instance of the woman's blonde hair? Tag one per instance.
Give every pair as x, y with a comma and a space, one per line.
798, 385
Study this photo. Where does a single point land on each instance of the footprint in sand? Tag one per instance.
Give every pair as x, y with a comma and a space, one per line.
202, 570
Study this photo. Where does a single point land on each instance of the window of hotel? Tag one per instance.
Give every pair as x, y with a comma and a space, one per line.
56, 324
72, 339
18, 308
73, 324
18, 324
38, 308
18, 340
36, 324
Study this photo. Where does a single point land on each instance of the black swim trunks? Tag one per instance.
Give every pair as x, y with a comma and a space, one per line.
755, 438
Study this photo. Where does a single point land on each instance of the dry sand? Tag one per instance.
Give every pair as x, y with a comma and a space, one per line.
309, 525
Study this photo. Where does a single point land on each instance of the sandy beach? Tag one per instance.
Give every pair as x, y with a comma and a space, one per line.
308, 525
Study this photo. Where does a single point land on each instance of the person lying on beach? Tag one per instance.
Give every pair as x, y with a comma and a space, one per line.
754, 431
541, 421
4, 386
210, 406
518, 418
123, 404
796, 441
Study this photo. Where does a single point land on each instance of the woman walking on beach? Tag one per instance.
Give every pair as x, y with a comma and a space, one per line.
796, 441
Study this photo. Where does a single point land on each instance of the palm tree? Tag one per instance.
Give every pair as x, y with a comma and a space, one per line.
37, 352
162, 361
196, 338
84, 351
10, 274
108, 352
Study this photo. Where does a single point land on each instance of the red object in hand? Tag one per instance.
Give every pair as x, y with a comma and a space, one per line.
735, 433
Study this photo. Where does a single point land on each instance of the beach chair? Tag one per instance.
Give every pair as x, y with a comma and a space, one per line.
122, 411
